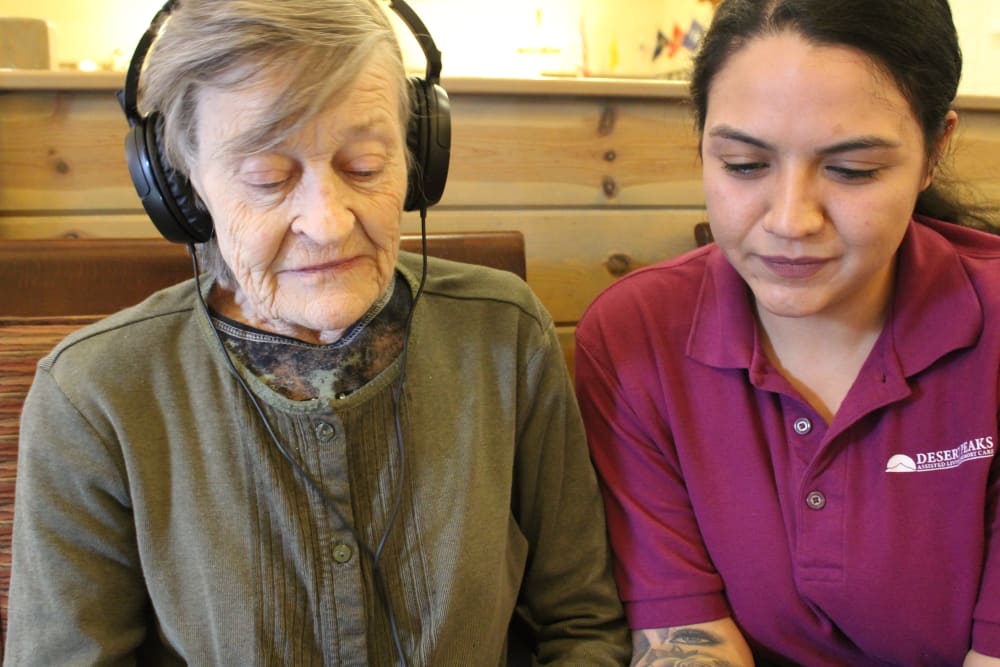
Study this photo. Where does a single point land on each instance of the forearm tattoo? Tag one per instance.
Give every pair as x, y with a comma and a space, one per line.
678, 647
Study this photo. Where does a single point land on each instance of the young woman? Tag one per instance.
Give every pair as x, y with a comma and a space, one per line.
796, 426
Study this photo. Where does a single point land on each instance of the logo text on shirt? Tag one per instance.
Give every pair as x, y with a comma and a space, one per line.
976, 448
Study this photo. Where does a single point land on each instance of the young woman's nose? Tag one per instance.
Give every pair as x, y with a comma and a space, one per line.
796, 209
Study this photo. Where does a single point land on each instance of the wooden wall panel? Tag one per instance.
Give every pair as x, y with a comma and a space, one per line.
566, 342
573, 255
76, 224
538, 151
64, 152
975, 155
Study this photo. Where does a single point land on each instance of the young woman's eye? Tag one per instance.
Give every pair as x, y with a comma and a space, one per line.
853, 175
744, 168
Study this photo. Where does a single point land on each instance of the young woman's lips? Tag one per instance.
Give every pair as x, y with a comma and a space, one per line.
794, 268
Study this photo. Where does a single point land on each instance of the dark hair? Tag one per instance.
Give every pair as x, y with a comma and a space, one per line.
913, 41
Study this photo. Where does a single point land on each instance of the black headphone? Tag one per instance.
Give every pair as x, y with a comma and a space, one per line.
168, 197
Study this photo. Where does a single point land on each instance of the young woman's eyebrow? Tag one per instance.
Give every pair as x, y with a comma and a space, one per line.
729, 132
856, 144
853, 144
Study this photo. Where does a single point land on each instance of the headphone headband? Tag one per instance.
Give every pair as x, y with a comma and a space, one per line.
130, 101
424, 39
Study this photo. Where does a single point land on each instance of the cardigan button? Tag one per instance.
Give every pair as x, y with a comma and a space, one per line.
342, 553
325, 432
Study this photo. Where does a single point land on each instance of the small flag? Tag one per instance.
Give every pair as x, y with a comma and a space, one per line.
661, 43
678, 40
694, 36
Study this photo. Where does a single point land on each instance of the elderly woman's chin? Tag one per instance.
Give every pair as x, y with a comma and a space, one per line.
323, 315
311, 307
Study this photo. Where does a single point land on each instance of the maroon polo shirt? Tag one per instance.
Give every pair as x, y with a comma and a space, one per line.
871, 540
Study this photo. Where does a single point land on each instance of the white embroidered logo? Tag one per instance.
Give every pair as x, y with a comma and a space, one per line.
977, 448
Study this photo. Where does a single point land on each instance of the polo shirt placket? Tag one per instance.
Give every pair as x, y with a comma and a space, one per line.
817, 479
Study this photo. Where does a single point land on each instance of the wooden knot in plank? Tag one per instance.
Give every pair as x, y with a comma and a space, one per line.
607, 123
609, 186
618, 264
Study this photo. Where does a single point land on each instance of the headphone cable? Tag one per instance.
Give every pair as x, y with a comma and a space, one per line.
376, 554
397, 395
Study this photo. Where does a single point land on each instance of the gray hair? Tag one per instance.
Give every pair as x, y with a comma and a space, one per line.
316, 47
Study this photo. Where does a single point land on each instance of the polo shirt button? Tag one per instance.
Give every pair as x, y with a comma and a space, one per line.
342, 553
816, 500
802, 426
325, 432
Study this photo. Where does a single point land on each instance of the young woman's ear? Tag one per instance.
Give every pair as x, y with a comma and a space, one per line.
940, 146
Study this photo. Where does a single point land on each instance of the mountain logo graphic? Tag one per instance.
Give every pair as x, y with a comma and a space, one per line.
900, 463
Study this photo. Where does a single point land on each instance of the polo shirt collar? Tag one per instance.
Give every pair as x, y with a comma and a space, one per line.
724, 328
935, 308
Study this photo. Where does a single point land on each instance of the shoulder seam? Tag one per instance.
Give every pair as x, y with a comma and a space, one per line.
49, 360
508, 302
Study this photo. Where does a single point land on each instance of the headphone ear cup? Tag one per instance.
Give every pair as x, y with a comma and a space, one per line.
428, 137
166, 194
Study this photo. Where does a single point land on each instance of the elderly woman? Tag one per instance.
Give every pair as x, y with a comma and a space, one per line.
225, 476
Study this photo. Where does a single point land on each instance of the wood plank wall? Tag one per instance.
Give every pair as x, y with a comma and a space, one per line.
598, 186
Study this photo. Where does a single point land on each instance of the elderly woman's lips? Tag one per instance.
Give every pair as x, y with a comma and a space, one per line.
794, 267
336, 265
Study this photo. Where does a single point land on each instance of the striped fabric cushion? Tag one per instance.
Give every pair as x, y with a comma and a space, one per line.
23, 341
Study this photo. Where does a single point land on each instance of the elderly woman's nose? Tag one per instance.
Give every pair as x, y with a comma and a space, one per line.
325, 214
795, 207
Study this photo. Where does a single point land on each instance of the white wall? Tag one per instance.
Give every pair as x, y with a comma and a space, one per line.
531, 37
978, 24
88, 29
508, 38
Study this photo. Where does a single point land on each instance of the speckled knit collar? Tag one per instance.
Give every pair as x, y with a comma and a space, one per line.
304, 371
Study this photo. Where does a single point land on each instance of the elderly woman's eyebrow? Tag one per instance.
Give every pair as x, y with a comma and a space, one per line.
270, 138
256, 141
377, 125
